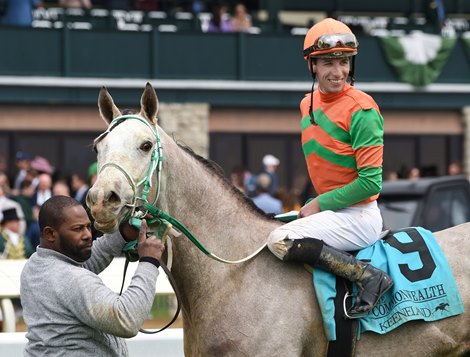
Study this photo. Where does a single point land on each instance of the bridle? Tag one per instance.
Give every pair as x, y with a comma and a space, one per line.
163, 219
155, 166
135, 217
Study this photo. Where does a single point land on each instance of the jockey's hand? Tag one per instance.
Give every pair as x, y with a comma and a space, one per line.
151, 246
310, 208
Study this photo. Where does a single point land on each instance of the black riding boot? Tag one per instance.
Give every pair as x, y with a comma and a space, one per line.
372, 282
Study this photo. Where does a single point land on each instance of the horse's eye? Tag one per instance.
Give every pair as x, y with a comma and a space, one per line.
147, 146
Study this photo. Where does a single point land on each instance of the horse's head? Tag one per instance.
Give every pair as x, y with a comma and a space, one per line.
127, 155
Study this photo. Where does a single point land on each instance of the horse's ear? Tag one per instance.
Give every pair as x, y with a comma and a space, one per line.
149, 104
108, 109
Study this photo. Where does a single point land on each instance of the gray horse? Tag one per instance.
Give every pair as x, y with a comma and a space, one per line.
262, 307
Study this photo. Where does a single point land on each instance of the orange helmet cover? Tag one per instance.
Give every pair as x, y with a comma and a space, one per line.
328, 26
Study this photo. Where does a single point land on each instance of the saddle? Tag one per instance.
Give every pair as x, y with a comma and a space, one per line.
424, 287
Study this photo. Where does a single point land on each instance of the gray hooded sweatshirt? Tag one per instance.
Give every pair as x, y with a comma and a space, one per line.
68, 309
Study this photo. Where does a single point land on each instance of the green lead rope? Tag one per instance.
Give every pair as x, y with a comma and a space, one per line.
164, 222
165, 218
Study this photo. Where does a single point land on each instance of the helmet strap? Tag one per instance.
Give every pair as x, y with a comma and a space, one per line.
351, 71
310, 109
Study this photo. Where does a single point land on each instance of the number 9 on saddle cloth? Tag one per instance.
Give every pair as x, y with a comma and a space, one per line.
424, 287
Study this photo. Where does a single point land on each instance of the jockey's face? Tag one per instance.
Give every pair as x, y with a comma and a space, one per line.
331, 73
75, 239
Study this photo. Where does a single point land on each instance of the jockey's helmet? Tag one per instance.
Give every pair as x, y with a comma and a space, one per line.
330, 38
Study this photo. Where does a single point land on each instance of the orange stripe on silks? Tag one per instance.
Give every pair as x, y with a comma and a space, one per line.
371, 156
331, 176
341, 114
308, 133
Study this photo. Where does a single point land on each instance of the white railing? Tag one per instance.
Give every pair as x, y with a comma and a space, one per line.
10, 272
168, 343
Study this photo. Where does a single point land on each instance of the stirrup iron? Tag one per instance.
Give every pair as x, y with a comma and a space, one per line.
348, 295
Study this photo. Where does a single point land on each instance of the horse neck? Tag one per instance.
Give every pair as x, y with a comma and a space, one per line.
221, 219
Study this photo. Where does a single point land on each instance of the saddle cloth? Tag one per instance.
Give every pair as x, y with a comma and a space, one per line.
424, 287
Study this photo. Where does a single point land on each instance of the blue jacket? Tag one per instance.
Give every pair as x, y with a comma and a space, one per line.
19, 12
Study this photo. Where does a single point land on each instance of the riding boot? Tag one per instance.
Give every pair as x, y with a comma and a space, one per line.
372, 282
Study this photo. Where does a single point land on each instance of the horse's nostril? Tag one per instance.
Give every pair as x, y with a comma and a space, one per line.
114, 198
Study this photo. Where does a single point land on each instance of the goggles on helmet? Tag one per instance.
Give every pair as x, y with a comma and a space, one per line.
327, 42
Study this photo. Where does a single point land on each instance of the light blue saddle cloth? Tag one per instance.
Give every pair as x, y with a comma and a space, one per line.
424, 287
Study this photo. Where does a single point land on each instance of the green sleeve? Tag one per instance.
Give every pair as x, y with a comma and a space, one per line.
366, 131
368, 183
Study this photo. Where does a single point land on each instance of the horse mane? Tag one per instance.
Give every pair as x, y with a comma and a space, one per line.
215, 169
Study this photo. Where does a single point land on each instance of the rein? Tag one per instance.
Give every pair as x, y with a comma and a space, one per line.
159, 217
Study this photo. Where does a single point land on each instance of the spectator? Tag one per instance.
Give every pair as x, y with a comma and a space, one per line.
60, 188
92, 174
30, 213
44, 189
3, 163
263, 199
80, 4
220, 21
455, 168
24, 198
41, 165
6, 202
79, 187
198, 6
13, 245
249, 183
391, 176
22, 163
5, 183
271, 163
237, 177
19, 12
414, 173
435, 14
240, 21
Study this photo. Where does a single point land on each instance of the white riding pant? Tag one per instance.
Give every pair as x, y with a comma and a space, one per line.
347, 229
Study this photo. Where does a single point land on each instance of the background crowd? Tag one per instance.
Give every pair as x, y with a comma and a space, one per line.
224, 17
24, 188
34, 181
265, 189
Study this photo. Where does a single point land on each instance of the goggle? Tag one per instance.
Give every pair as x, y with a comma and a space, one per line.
327, 42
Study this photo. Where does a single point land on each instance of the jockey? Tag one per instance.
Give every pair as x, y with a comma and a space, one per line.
342, 140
